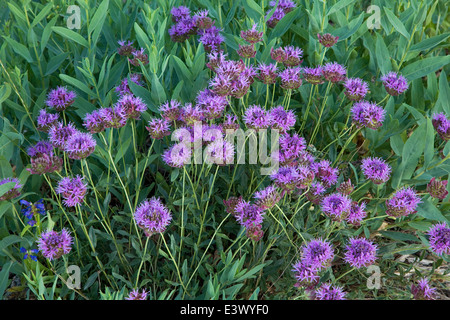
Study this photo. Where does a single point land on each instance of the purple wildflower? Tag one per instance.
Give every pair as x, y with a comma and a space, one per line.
113, 117
54, 245
439, 238
334, 72
305, 275
291, 147
437, 189
180, 13
328, 292
124, 89
395, 84
220, 152
216, 59
93, 122
423, 291
136, 295
346, 187
267, 73
327, 40
60, 98
158, 128
360, 252
248, 215
59, 134
246, 51
254, 233
240, 86
402, 203
202, 20
355, 88
80, 145
314, 75
293, 56
211, 104
139, 56
46, 120
267, 198
376, 170
72, 190
290, 78
279, 55
190, 114
177, 155
152, 216
281, 119
132, 105
14, 190
126, 48
43, 160
318, 254
336, 206
367, 114
211, 38
40, 148
357, 213
315, 192
253, 35
442, 125
231, 203
256, 118
170, 110
277, 15
325, 173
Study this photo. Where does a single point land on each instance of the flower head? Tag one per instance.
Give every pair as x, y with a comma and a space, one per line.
291, 147
43, 160
325, 172
246, 51
267, 198
80, 145
158, 128
248, 215
290, 78
190, 114
32, 254
437, 189
402, 203
152, 216
93, 122
267, 73
211, 38
14, 190
136, 295
54, 245
126, 47
367, 114
46, 120
178, 155
336, 206
439, 238
170, 110
133, 106
314, 75
124, 88
395, 84
279, 55
139, 56
357, 213
211, 104
346, 187
72, 190
254, 233
281, 119
423, 291
256, 117
355, 88
318, 253
329, 292
293, 56
360, 252
252, 35
220, 152
334, 72
60, 98
30, 210
231, 203
327, 40
59, 134
376, 170
113, 117
180, 13
305, 275
202, 20
442, 125
315, 192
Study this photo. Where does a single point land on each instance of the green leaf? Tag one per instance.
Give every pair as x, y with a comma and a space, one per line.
396, 23
429, 43
400, 236
427, 210
284, 24
181, 69
42, 14
77, 83
158, 92
383, 56
54, 63
71, 35
99, 17
20, 49
423, 67
339, 5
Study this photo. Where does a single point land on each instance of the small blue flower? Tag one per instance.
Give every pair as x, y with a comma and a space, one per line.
31, 209
32, 254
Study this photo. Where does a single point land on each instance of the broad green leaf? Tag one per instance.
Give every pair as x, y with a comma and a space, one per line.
383, 56
71, 35
427, 210
77, 83
20, 49
429, 43
339, 5
396, 23
99, 16
42, 14
423, 67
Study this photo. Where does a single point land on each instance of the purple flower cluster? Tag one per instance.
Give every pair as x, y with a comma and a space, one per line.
136, 295
42, 158
360, 252
80, 145
14, 191
46, 120
60, 133
152, 216
334, 72
327, 40
124, 89
439, 238
267, 198
291, 178
314, 75
316, 255
402, 203
442, 125
283, 8
135, 56
336, 206
355, 88
437, 189
395, 84
329, 292
423, 291
367, 114
72, 190
252, 35
60, 98
325, 173
232, 78
376, 170
54, 245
